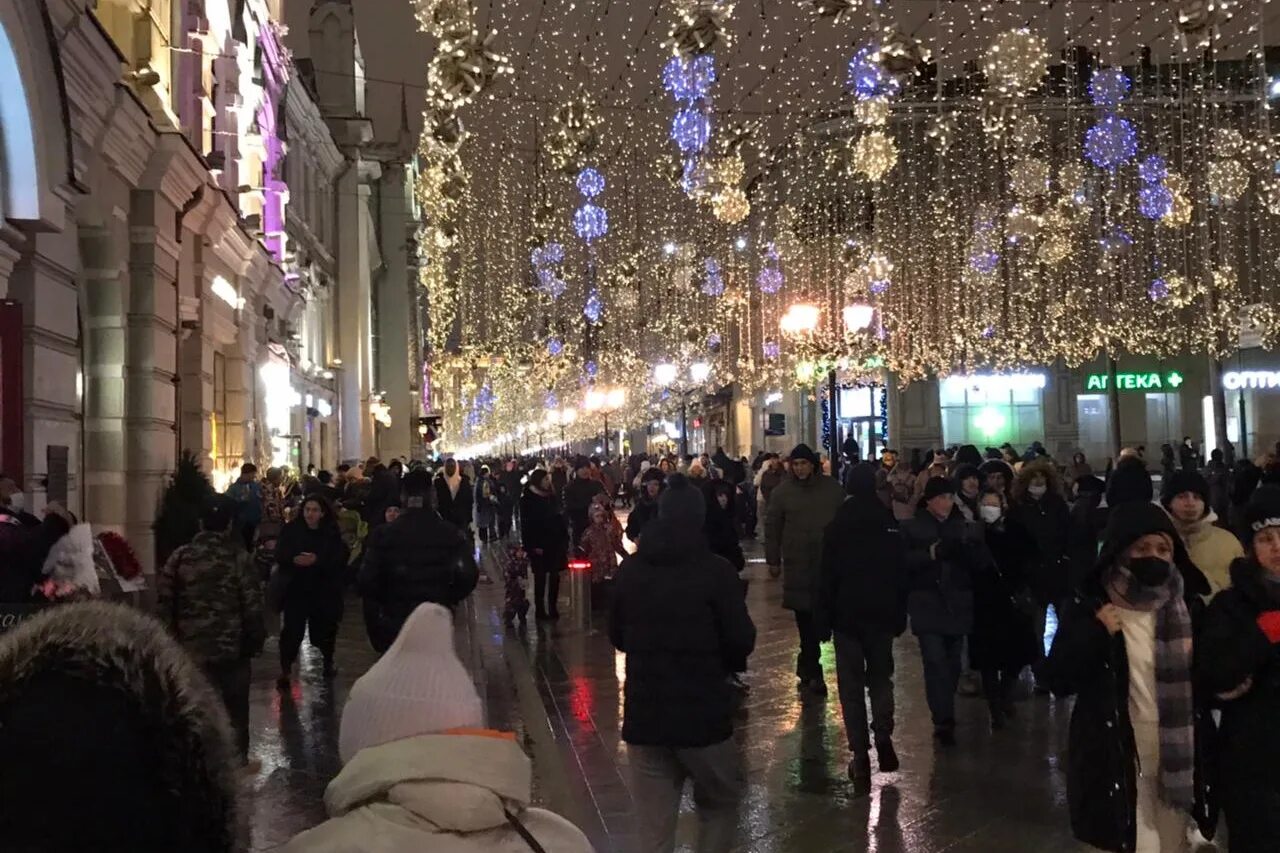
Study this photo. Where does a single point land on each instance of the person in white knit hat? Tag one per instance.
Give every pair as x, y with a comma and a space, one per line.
420, 771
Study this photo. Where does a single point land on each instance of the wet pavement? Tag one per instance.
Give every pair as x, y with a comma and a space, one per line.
559, 688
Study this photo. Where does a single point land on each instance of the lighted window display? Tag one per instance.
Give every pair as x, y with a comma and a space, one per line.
280, 398
990, 409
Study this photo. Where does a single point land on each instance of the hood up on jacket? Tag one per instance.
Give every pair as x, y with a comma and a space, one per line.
671, 541
112, 738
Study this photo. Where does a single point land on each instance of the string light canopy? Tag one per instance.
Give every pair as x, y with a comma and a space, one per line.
1014, 177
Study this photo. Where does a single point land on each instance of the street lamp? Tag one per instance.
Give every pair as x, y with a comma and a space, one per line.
606, 401
667, 375
858, 316
562, 418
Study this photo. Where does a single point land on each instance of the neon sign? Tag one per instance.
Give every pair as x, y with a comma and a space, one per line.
1234, 380
1170, 381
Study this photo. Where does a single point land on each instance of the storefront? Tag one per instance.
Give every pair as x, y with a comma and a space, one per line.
1153, 410
862, 416
1252, 386
988, 410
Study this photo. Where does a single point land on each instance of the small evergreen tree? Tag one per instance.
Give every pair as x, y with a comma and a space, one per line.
184, 499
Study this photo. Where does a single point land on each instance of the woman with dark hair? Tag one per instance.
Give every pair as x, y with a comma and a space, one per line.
1124, 649
310, 561
545, 535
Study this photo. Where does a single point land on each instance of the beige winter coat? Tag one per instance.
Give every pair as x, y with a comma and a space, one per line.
1212, 549
438, 793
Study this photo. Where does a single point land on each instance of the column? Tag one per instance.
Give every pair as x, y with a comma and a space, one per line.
394, 308
353, 315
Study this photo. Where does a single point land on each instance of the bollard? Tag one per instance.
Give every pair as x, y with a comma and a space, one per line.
580, 592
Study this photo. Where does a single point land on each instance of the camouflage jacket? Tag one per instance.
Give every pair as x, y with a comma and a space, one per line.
209, 596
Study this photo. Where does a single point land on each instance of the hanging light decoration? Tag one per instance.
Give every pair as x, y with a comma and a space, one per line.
1016, 61
874, 155
731, 206
590, 222
1111, 143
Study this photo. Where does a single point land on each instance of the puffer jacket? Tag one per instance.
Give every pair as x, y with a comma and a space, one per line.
799, 512
447, 793
417, 558
679, 616
941, 582
1212, 549
209, 595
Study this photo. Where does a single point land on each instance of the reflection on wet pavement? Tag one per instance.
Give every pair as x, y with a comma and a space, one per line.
1000, 791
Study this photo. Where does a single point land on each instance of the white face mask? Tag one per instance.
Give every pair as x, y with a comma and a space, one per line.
990, 514
17, 501
1037, 491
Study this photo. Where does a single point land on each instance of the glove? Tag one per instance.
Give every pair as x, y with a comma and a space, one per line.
1269, 622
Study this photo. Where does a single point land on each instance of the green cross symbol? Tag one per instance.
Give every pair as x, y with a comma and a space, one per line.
1175, 379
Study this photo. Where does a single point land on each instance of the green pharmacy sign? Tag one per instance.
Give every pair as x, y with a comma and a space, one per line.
1170, 381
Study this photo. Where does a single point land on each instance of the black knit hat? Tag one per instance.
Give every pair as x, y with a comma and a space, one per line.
652, 474
1184, 481
1130, 521
682, 502
1130, 482
1262, 511
803, 451
937, 486
861, 480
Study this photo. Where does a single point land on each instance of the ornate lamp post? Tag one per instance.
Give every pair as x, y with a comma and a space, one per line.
669, 375
605, 401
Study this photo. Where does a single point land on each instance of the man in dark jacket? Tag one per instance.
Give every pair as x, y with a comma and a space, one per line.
646, 508
799, 512
455, 500
578, 495
417, 558
863, 600
942, 550
679, 617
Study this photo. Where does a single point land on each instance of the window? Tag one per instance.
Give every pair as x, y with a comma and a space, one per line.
990, 409
1093, 414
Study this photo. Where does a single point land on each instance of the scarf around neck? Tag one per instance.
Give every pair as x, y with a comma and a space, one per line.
1173, 677
454, 482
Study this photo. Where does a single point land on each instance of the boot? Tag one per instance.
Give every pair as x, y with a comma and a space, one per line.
860, 774
887, 756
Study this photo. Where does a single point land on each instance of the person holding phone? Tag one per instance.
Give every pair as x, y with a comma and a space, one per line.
311, 558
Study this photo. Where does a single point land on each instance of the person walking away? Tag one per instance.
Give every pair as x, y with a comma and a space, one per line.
1186, 497
112, 738
311, 559
1218, 475
247, 494
679, 617
454, 498
1238, 662
863, 601
652, 482
578, 495
1124, 649
1168, 463
1088, 521
1003, 641
799, 511
486, 497
544, 534
415, 559
419, 769
1188, 456
942, 549
767, 479
209, 596
511, 481
1040, 510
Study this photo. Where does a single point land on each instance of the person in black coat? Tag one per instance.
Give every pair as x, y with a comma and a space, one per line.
1103, 632
942, 549
1238, 662
1003, 641
1088, 521
720, 527
455, 499
652, 482
545, 537
511, 485
417, 558
311, 559
679, 617
578, 495
864, 602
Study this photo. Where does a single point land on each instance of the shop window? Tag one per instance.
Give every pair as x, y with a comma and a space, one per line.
1164, 419
223, 463
1093, 412
989, 410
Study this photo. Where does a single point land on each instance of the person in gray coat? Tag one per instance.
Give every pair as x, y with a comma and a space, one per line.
800, 509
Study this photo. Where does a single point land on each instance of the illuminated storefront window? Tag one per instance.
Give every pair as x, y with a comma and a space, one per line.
990, 409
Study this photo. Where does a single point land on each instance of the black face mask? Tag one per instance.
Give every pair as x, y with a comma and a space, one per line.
1150, 571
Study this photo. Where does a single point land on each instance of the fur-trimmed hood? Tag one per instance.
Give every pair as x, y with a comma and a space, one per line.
112, 738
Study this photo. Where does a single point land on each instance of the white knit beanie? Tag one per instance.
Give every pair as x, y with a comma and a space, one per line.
418, 687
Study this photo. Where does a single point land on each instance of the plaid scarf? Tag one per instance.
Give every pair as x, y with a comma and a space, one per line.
1173, 678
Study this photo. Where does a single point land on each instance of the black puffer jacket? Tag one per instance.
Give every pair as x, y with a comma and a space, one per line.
941, 596
1092, 665
419, 557
1231, 648
1047, 522
864, 576
455, 509
720, 527
679, 616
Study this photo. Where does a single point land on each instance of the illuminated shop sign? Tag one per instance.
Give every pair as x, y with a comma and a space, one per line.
1170, 381
1234, 380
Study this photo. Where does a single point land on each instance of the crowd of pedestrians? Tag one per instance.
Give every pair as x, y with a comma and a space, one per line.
1157, 610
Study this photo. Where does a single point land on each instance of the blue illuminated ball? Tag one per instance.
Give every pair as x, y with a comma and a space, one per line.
1153, 170
590, 222
1109, 87
691, 129
1155, 201
590, 182
1111, 143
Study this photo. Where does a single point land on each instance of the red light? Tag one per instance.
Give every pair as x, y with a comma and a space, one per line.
697, 423
579, 565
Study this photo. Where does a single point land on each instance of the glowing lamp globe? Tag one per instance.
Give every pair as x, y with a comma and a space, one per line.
858, 316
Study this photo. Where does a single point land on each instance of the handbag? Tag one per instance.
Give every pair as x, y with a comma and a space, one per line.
524, 832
